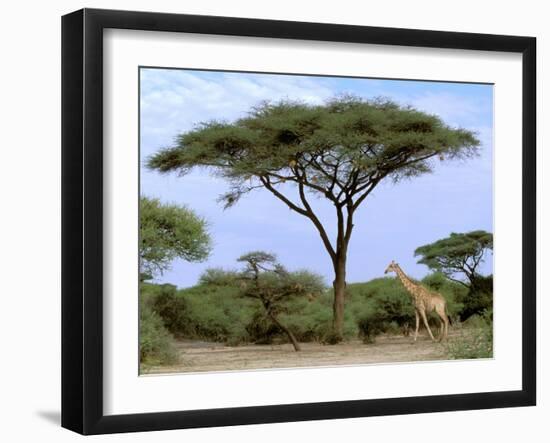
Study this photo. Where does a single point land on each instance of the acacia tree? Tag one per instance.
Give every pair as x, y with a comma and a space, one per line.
167, 232
269, 282
340, 151
460, 254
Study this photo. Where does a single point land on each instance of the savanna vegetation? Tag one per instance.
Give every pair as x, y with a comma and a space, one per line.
227, 307
339, 151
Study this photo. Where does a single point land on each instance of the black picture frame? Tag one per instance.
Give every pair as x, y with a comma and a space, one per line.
82, 215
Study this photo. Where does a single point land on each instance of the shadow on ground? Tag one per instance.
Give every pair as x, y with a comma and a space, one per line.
54, 417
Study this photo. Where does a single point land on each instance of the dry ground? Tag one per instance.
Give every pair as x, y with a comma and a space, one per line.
197, 356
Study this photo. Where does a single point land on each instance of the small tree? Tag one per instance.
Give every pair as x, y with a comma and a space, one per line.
458, 255
168, 232
266, 280
339, 151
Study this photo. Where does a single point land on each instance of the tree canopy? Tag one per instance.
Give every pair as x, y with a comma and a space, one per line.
340, 150
168, 232
458, 254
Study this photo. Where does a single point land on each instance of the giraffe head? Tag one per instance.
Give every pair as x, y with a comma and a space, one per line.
392, 267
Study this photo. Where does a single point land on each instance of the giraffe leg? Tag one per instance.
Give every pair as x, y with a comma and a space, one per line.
442, 329
444, 323
425, 320
417, 318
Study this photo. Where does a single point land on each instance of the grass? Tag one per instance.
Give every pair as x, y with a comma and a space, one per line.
475, 339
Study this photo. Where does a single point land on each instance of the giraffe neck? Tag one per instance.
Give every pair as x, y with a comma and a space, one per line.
409, 285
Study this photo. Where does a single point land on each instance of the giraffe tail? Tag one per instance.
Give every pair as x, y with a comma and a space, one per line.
450, 319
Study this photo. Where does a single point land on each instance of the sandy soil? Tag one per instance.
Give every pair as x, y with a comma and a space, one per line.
196, 356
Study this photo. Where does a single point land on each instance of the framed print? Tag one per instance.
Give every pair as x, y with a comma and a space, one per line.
269, 221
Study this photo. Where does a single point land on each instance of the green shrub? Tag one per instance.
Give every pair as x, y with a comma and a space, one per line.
217, 313
173, 309
218, 277
155, 342
479, 298
308, 320
472, 343
475, 339
475, 321
370, 327
380, 306
215, 310
311, 319
261, 329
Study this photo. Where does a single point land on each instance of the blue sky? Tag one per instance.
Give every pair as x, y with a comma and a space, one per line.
392, 222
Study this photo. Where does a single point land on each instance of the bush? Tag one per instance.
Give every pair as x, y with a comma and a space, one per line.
155, 342
477, 321
218, 277
370, 327
261, 329
173, 309
479, 298
246, 320
475, 340
379, 306
472, 343
215, 310
217, 313
311, 319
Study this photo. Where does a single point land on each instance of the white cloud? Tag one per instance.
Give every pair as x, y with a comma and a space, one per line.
173, 101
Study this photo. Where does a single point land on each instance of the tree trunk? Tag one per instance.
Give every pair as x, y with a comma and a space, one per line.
287, 331
339, 285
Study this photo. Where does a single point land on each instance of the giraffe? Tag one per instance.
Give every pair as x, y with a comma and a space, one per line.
424, 301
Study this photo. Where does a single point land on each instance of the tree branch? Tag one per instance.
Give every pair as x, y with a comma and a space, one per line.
283, 198
349, 224
332, 177
311, 215
369, 189
416, 160
308, 212
457, 281
297, 180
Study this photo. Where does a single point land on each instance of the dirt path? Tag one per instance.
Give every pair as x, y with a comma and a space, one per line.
197, 356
